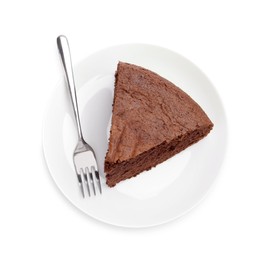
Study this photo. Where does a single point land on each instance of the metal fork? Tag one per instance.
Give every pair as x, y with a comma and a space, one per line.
84, 157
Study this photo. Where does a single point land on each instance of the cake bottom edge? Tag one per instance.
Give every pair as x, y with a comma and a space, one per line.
117, 172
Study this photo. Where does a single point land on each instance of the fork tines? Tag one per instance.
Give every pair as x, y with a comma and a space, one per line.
90, 179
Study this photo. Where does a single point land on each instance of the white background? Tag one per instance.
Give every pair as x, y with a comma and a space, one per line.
221, 37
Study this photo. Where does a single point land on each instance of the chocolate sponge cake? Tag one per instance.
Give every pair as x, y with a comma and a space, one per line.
152, 120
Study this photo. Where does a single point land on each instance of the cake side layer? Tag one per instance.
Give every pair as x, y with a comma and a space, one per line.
116, 172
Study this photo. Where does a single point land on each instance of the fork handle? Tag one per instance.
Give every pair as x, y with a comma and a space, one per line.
64, 50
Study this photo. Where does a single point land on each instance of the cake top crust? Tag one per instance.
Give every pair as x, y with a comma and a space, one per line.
147, 111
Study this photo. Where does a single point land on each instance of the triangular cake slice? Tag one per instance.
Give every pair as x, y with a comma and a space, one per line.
152, 120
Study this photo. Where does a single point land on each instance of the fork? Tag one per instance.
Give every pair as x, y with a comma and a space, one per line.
83, 157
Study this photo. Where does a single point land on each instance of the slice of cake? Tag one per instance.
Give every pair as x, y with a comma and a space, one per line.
152, 120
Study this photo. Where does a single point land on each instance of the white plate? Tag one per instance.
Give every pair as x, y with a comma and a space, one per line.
156, 196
